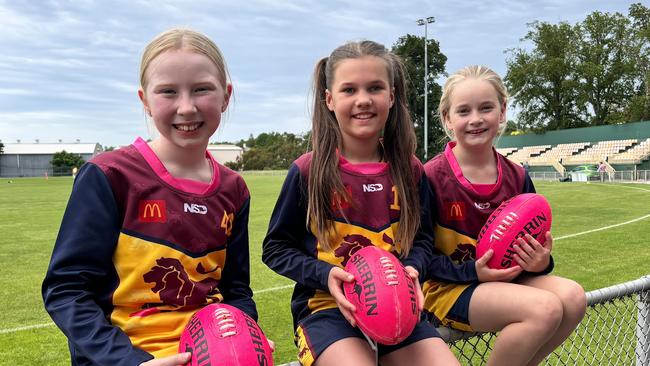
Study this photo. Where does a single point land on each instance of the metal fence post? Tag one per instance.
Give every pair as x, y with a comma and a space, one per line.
643, 330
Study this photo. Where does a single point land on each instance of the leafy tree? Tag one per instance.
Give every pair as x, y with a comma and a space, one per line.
65, 161
269, 151
543, 81
411, 49
639, 107
606, 66
2, 148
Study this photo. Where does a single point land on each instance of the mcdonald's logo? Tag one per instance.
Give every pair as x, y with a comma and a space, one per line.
455, 210
152, 211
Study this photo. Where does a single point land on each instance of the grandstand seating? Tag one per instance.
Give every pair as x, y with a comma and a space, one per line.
557, 153
634, 155
599, 152
505, 151
525, 153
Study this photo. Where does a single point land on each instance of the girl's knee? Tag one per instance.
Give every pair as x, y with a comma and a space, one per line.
548, 311
573, 299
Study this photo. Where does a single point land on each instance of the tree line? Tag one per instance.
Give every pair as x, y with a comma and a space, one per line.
593, 72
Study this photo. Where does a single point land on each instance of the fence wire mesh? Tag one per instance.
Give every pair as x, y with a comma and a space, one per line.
614, 331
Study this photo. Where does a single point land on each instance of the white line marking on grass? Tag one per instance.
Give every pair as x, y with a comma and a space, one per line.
620, 186
273, 289
45, 325
602, 228
28, 327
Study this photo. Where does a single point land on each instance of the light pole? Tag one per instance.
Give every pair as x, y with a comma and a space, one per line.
424, 22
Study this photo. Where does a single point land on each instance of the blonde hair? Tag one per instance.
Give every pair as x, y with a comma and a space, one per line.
185, 39
325, 186
471, 72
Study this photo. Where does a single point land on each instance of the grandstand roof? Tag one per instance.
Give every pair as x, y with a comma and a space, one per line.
50, 148
227, 147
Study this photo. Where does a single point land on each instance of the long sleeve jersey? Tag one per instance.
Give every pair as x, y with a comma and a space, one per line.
139, 252
371, 218
461, 212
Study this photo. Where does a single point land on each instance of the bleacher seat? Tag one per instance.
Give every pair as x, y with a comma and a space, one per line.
599, 152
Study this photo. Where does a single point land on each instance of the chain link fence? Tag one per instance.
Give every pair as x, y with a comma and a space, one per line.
614, 331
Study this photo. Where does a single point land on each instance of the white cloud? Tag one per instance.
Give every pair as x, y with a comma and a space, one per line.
71, 68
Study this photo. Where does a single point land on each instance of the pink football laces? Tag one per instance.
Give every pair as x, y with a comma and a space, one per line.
507, 222
389, 271
225, 322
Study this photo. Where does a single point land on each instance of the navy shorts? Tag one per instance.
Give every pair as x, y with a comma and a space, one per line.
459, 313
320, 330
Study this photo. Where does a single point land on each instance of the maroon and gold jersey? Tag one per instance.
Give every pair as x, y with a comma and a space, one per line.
139, 252
461, 212
370, 218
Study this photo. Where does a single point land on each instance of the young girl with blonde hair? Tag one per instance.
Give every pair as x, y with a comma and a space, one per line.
154, 231
535, 312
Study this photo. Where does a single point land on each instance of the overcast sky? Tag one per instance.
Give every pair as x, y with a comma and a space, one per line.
69, 69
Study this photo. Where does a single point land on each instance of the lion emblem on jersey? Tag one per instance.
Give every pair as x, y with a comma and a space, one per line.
351, 244
464, 252
175, 287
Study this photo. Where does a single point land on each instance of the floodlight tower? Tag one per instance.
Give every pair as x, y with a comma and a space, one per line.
424, 22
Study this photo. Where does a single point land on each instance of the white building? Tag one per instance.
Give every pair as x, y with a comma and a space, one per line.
33, 159
225, 153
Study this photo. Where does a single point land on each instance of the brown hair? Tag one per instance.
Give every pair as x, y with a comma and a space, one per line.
325, 188
471, 72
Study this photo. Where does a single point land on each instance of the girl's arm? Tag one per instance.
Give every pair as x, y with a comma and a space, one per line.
284, 248
235, 278
424, 258
78, 278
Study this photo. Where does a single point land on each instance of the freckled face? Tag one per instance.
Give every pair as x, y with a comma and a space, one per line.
360, 97
185, 98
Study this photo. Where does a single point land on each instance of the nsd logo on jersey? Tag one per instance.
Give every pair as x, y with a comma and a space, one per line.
195, 208
376, 187
152, 211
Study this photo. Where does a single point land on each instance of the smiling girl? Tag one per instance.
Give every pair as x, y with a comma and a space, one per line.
154, 231
535, 312
362, 137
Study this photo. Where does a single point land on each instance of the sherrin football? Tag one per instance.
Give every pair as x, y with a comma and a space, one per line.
527, 213
383, 294
220, 335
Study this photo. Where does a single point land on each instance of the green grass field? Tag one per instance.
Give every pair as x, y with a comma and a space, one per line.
31, 210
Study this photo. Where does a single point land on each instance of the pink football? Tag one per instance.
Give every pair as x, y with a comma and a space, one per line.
221, 334
383, 294
527, 213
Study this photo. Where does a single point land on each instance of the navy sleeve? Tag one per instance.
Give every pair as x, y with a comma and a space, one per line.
441, 267
283, 248
235, 278
422, 250
529, 187
76, 281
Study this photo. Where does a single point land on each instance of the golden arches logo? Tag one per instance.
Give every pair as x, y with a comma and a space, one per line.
152, 211
455, 210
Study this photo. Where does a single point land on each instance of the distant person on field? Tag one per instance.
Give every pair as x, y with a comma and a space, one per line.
324, 215
602, 169
534, 312
74, 172
154, 231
